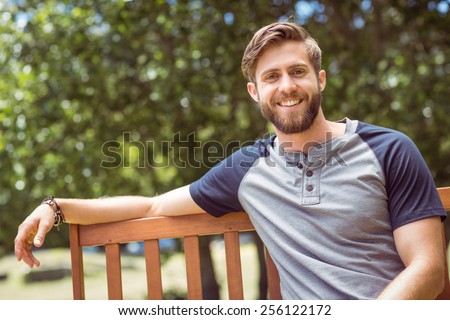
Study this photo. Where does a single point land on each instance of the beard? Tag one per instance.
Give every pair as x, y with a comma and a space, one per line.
299, 120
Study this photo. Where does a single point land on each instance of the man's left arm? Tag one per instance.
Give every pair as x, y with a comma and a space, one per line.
420, 247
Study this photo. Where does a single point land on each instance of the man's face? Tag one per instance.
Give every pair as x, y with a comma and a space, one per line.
287, 88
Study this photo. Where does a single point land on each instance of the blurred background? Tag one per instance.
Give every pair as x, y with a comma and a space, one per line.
105, 98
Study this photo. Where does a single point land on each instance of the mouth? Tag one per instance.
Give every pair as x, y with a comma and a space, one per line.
289, 103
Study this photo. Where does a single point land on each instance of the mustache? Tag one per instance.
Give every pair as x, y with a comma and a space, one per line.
290, 96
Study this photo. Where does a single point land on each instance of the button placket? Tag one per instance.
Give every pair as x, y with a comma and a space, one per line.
310, 186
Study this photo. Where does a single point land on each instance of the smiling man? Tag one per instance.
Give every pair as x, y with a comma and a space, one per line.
347, 210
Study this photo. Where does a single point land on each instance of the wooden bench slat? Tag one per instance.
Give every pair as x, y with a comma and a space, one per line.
444, 193
153, 267
193, 270
76, 253
162, 227
113, 271
233, 261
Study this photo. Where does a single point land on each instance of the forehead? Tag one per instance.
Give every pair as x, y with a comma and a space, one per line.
283, 56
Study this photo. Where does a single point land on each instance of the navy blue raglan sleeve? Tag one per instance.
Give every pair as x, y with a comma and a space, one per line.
410, 187
217, 191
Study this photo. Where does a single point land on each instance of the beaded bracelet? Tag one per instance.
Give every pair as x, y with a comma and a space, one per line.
59, 216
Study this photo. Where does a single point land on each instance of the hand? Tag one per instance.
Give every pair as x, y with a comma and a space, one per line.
32, 231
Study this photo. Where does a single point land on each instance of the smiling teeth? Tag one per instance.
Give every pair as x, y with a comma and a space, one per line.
289, 103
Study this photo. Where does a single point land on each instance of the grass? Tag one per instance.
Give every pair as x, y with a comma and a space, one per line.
15, 287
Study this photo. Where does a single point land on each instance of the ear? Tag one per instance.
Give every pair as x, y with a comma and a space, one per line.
253, 91
322, 79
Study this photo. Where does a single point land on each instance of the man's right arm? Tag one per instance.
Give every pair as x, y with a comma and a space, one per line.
93, 211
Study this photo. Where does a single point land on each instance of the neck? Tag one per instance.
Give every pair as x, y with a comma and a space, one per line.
320, 131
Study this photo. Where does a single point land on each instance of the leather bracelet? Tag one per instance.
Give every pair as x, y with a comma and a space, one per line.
59, 216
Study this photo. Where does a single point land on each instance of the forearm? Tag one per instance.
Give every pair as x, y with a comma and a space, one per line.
418, 281
91, 211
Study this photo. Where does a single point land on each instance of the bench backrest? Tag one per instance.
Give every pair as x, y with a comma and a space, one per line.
190, 228
150, 231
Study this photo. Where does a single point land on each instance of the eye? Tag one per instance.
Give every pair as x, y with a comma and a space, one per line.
298, 72
271, 77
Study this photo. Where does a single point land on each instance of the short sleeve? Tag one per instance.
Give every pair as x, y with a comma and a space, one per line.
410, 187
217, 191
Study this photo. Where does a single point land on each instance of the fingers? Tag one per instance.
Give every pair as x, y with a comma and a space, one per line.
20, 242
30, 259
22, 249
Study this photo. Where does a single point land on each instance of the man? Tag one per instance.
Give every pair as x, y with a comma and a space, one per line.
347, 210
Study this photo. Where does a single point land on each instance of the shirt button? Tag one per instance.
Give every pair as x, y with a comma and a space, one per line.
309, 173
309, 188
299, 165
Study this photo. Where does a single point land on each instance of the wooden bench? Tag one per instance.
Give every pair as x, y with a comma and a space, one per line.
151, 230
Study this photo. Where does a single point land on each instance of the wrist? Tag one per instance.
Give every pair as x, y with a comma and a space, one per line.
57, 212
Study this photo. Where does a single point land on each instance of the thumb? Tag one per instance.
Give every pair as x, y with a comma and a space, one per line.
39, 239
40, 235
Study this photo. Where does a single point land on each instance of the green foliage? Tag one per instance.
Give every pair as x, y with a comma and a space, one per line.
148, 79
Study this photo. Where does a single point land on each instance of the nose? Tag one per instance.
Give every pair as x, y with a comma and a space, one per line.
287, 84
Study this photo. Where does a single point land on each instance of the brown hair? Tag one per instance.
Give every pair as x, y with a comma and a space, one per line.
272, 35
